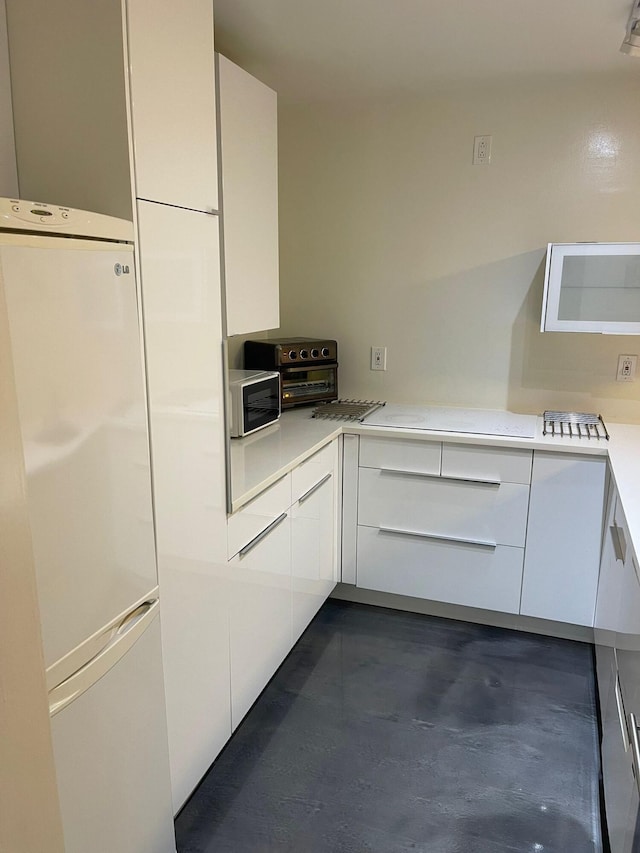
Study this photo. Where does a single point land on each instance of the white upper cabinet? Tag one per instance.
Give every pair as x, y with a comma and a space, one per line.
592, 287
249, 169
172, 79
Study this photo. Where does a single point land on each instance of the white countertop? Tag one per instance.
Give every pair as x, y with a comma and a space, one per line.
260, 459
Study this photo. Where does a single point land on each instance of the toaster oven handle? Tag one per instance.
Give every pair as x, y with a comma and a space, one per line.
311, 365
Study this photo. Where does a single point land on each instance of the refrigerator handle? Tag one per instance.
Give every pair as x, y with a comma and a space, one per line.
123, 638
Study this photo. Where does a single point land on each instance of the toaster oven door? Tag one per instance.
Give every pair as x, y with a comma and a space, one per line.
311, 383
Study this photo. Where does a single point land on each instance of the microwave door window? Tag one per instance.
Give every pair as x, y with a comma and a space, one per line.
260, 404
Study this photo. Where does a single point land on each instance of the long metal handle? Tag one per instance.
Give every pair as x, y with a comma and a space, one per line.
244, 551
635, 748
619, 542
316, 487
478, 543
477, 482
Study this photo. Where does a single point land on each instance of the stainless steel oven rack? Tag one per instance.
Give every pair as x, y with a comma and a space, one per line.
346, 410
574, 425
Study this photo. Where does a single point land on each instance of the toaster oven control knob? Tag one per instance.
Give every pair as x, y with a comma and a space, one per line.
314, 353
293, 354
304, 353
325, 352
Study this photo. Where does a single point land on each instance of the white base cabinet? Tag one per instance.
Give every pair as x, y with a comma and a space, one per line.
617, 635
564, 536
283, 568
503, 529
441, 522
260, 616
314, 524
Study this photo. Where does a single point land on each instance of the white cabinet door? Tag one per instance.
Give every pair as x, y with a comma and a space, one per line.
260, 613
563, 537
608, 602
249, 170
172, 79
617, 774
181, 290
592, 287
313, 550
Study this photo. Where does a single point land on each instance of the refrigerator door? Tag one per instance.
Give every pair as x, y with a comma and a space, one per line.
109, 740
74, 324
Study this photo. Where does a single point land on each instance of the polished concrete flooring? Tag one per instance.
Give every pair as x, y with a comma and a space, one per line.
386, 732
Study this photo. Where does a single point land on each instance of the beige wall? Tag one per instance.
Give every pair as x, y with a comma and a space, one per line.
8, 175
389, 236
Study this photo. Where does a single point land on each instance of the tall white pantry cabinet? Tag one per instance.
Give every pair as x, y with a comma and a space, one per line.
123, 122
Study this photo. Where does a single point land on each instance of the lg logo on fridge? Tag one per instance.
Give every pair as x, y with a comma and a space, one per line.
121, 269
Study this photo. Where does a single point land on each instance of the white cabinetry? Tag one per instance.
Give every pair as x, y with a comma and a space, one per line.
563, 537
181, 285
260, 613
283, 565
314, 535
617, 635
249, 179
173, 107
441, 522
128, 101
592, 287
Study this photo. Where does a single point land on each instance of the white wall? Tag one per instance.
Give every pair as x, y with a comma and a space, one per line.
8, 175
389, 236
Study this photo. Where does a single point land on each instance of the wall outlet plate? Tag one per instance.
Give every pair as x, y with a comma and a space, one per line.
481, 150
626, 368
378, 358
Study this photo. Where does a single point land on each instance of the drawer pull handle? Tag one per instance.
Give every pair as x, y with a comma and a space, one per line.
619, 542
478, 543
315, 488
244, 551
477, 482
635, 748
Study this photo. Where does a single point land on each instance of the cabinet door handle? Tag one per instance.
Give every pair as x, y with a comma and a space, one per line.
251, 545
619, 542
459, 540
635, 748
475, 481
315, 488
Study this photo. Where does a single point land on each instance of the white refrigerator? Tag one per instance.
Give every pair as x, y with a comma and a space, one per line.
74, 320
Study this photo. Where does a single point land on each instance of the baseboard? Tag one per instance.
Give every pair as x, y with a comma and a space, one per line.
348, 592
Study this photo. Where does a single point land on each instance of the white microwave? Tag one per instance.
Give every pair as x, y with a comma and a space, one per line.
254, 397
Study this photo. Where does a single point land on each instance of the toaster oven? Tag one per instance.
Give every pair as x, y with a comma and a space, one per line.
308, 367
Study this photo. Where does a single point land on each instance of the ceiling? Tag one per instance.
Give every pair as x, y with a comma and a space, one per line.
309, 50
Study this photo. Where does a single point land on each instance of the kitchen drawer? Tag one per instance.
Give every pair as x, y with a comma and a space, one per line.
472, 462
441, 507
258, 514
452, 572
401, 454
312, 470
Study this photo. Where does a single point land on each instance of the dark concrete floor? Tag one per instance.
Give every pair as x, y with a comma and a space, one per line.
386, 731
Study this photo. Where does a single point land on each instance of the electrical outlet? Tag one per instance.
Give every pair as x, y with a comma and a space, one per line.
378, 358
481, 150
626, 368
